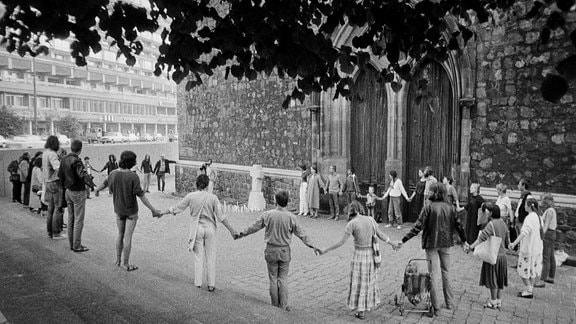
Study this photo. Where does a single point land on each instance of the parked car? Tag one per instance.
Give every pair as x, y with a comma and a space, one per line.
159, 138
132, 138
3, 141
27, 141
64, 140
94, 135
113, 137
146, 138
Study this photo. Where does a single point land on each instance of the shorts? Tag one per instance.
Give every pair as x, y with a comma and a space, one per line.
133, 217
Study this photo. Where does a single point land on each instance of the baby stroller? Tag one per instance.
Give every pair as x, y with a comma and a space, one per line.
416, 287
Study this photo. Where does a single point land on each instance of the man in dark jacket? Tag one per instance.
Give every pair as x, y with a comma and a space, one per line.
161, 169
75, 178
438, 222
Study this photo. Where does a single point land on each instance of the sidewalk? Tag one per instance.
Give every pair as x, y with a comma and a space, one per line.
41, 280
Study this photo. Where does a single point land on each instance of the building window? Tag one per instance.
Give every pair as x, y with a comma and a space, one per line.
57, 103
14, 101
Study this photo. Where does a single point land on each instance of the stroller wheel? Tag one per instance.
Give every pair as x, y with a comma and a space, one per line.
401, 309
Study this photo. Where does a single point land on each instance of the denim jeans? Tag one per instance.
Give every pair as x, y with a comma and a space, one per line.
53, 198
161, 180
147, 181
205, 251
76, 201
334, 205
549, 260
394, 211
278, 262
440, 260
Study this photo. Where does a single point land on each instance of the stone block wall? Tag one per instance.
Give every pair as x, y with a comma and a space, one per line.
566, 234
243, 122
235, 186
515, 133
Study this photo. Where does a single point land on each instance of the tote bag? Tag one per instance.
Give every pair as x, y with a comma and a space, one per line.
487, 251
376, 247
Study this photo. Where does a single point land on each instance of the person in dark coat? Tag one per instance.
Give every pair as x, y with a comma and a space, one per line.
473, 208
162, 168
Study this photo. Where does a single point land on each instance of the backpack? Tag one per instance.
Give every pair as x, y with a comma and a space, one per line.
13, 167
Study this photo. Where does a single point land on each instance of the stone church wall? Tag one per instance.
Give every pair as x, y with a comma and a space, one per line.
515, 133
242, 122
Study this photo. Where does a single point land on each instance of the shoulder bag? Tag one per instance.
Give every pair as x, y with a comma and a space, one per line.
375, 246
487, 251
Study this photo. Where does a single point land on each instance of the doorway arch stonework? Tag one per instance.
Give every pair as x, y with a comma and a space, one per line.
335, 115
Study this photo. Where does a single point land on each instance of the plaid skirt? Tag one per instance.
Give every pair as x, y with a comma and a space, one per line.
364, 293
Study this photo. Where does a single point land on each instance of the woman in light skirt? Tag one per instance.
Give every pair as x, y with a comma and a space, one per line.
364, 293
531, 247
303, 210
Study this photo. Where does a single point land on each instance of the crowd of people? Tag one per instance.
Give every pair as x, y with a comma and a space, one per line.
57, 180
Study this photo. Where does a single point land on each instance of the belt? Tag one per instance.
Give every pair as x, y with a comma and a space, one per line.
275, 245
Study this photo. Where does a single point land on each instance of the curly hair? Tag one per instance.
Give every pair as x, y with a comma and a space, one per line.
127, 160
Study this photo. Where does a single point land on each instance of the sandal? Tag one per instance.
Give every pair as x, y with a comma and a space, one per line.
491, 305
360, 316
130, 267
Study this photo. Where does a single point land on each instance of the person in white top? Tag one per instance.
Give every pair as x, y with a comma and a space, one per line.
504, 203
395, 190
530, 255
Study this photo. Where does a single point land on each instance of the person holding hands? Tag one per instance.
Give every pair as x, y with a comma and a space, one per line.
364, 293
205, 212
280, 224
124, 186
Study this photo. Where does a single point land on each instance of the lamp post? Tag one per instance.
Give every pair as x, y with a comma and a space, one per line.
35, 95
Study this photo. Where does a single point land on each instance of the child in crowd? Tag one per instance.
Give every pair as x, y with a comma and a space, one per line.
371, 198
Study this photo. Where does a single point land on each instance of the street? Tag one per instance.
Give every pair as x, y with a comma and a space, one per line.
41, 280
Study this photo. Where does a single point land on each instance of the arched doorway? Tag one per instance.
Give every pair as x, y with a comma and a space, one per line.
432, 128
368, 119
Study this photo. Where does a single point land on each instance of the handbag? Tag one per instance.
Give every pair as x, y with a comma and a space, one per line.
376, 247
487, 251
36, 188
14, 177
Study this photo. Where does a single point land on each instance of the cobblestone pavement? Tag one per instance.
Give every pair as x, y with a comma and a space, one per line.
45, 276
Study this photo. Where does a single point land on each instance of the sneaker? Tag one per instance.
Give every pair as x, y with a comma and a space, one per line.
540, 284
388, 226
59, 237
399, 227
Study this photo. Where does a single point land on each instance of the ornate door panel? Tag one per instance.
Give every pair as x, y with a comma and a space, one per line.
368, 127
432, 129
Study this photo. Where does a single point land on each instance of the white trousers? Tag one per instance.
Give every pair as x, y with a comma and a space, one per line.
205, 252
303, 198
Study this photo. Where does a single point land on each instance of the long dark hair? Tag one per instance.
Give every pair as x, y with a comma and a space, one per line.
52, 143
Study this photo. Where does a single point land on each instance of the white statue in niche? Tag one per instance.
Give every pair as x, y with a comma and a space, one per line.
256, 200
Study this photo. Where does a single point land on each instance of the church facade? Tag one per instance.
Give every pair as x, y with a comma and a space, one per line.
485, 122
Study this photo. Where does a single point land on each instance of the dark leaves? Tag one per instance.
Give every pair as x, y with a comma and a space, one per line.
565, 5
536, 10
555, 21
553, 88
545, 35
567, 68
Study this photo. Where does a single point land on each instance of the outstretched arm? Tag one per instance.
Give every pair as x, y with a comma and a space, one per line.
146, 202
230, 228
337, 245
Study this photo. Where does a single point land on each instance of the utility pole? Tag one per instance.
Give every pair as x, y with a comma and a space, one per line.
35, 95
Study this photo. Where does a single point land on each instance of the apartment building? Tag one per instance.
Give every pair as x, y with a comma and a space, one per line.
106, 94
